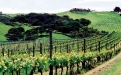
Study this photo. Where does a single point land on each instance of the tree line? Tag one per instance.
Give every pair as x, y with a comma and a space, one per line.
43, 22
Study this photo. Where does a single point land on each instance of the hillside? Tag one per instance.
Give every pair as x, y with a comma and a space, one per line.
4, 29
107, 21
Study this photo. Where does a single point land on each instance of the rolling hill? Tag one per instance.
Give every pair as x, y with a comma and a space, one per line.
107, 21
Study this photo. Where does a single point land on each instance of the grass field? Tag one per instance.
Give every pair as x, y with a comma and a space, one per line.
107, 21
55, 36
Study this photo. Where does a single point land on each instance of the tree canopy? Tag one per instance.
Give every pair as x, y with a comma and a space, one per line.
15, 34
53, 21
117, 9
42, 22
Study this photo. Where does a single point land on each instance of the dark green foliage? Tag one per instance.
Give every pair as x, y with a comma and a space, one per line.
44, 22
15, 34
6, 20
31, 34
80, 10
63, 24
85, 22
117, 9
35, 19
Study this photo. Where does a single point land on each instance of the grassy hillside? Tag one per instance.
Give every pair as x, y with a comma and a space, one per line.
4, 29
107, 21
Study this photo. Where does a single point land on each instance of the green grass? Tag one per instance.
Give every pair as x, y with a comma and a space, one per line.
56, 36
60, 36
4, 29
115, 69
11, 15
107, 21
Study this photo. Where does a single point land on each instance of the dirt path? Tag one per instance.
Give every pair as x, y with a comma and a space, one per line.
105, 65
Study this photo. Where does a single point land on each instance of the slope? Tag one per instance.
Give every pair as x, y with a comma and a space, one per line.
4, 29
107, 21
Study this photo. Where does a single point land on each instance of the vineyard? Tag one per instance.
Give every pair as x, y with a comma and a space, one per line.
59, 56
68, 56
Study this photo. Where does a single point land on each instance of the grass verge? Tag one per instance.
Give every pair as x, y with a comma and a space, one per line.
115, 69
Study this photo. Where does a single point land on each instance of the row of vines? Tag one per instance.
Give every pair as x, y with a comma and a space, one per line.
69, 56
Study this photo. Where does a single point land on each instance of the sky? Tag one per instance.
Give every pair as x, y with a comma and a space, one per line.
55, 6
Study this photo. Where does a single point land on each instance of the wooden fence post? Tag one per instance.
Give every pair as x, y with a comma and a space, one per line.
51, 49
3, 51
99, 46
40, 48
67, 48
84, 45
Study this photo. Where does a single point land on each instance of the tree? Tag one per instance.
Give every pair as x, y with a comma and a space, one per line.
85, 22
117, 9
15, 34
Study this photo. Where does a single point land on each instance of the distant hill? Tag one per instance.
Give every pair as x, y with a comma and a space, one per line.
107, 21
